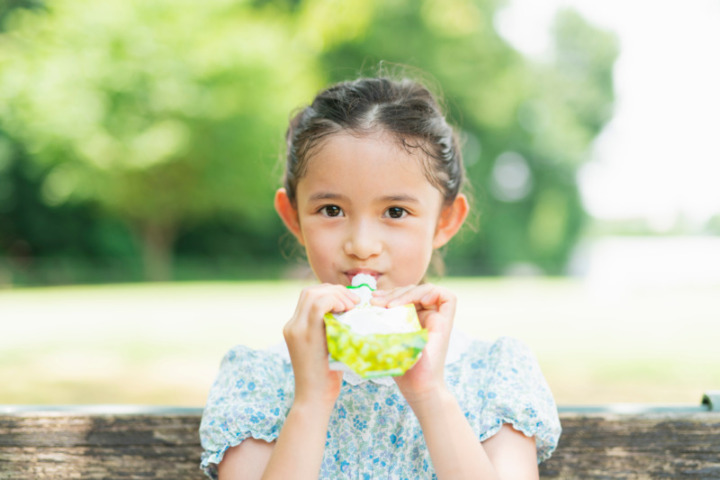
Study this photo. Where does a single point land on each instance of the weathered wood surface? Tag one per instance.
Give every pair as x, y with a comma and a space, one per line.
66, 445
633, 446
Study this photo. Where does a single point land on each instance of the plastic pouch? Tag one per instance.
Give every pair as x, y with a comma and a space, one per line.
374, 341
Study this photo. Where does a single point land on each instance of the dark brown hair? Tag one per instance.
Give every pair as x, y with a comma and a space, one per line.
403, 108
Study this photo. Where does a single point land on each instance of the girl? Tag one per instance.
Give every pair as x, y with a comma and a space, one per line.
372, 185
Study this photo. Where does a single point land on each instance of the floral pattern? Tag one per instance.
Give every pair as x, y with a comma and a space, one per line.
373, 433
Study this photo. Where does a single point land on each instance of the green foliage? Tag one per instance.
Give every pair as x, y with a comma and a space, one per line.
168, 116
127, 102
8, 6
159, 112
527, 124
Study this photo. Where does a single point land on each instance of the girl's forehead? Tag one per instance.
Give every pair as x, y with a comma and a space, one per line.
366, 167
349, 155
375, 138
379, 150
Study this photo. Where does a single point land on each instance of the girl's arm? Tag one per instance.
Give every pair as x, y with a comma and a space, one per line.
246, 461
456, 451
454, 448
298, 451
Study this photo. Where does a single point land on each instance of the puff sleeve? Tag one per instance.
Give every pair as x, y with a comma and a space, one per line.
249, 398
502, 383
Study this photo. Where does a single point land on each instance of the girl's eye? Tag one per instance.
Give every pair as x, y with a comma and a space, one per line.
396, 212
331, 211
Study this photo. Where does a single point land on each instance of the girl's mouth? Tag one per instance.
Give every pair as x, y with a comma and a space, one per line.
351, 273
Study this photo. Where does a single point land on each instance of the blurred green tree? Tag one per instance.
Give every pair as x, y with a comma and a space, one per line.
171, 113
160, 112
527, 124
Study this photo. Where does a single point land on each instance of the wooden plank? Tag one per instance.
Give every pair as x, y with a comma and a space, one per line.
59, 430
598, 445
616, 446
59, 446
97, 463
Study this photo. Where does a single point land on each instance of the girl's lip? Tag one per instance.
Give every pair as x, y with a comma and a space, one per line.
351, 273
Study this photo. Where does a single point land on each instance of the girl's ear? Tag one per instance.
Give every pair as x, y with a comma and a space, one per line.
451, 219
288, 213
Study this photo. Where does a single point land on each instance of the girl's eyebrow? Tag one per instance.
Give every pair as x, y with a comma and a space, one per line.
400, 198
325, 196
320, 196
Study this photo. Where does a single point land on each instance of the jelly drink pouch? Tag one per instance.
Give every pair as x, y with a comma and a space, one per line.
374, 341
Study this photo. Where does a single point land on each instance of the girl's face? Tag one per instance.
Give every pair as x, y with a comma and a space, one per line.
365, 205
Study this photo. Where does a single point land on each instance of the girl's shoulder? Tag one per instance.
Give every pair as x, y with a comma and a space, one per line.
250, 397
503, 353
247, 373
501, 382
506, 363
241, 355
499, 353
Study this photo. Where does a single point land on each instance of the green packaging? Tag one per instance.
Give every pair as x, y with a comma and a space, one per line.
374, 341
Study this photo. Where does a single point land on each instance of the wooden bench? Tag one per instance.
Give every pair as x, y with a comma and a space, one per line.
108, 442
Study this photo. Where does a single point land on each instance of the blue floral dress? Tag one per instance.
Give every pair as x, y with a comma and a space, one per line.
373, 433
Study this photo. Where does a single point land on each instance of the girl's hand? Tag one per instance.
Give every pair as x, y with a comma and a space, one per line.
315, 383
436, 312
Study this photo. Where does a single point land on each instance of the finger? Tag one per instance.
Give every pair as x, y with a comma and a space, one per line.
392, 291
413, 295
438, 297
386, 297
316, 301
330, 297
434, 321
352, 298
335, 301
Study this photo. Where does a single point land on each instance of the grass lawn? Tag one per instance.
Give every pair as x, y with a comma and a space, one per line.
162, 343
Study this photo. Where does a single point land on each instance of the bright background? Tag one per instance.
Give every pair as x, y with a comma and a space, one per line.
628, 310
658, 157
162, 344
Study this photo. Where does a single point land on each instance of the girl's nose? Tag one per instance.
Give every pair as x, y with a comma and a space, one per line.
363, 241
